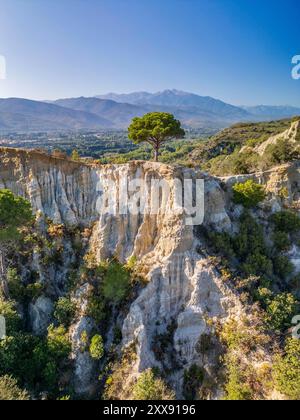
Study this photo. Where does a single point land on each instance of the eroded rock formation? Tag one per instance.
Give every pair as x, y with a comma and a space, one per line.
183, 288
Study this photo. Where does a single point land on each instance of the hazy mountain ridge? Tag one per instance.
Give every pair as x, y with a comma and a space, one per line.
115, 111
28, 115
275, 112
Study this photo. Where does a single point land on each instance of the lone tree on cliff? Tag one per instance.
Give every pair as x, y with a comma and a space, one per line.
155, 128
15, 213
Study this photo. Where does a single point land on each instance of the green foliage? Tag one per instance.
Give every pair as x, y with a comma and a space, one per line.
155, 128
96, 308
58, 342
193, 379
236, 387
281, 241
10, 391
15, 286
97, 347
235, 336
280, 152
282, 266
249, 194
18, 291
18, 358
287, 370
250, 247
15, 212
258, 264
12, 318
280, 310
222, 243
116, 282
286, 221
150, 387
65, 311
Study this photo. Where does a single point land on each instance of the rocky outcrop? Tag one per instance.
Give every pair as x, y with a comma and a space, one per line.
41, 315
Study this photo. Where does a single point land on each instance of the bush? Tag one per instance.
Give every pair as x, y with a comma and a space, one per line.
236, 388
282, 266
15, 286
10, 391
286, 221
281, 310
58, 342
222, 244
65, 311
249, 194
150, 387
116, 282
258, 264
17, 358
287, 370
281, 241
280, 152
250, 239
96, 309
97, 347
251, 249
12, 318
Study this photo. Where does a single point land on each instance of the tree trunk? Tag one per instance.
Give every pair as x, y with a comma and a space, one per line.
3, 273
156, 152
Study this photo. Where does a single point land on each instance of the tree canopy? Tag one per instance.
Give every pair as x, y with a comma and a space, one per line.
155, 128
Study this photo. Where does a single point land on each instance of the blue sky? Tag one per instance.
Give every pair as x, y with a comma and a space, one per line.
237, 50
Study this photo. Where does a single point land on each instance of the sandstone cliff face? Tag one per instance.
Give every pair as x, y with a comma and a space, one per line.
184, 289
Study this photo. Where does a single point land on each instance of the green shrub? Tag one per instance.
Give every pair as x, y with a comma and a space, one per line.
287, 370
15, 285
65, 311
10, 391
236, 387
96, 308
249, 194
281, 241
17, 358
286, 221
281, 310
250, 248
116, 282
97, 347
222, 243
258, 264
280, 152
250, 239
58, 342
282, 266
150, 387
9, 312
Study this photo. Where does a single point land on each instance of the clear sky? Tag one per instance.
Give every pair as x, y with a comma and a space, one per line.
237, 50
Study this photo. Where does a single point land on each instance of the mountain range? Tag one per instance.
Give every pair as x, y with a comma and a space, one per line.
115, 111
